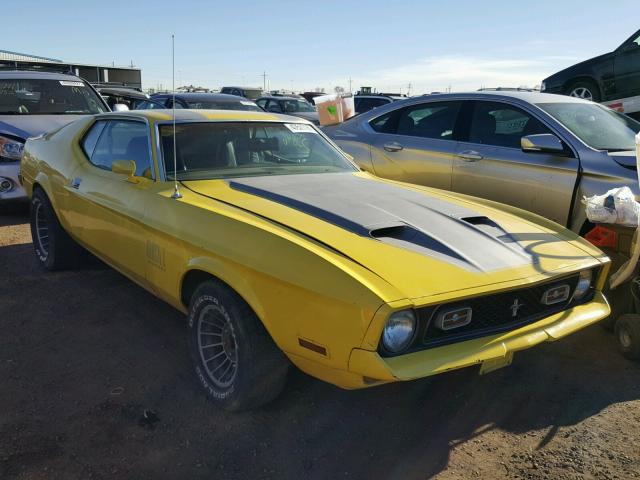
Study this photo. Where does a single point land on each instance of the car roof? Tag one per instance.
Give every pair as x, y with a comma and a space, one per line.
278, 97
26, 74
195, 96
192, 115
524, 96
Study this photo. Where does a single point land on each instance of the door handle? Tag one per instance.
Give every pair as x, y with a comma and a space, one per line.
470, 156
75, 183
392, 147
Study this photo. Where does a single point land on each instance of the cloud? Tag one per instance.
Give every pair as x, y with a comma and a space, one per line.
462, 72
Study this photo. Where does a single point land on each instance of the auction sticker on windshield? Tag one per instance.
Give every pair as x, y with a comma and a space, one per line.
68, 83
300, 128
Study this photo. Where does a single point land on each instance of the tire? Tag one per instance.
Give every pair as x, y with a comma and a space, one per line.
584, 89
54, 248
225, 335
628, 335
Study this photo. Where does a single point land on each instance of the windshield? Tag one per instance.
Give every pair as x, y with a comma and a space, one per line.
296, 106
242, 149
213, 105
47, 97
597, 126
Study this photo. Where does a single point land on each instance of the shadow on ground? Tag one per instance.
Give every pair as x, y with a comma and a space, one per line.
84, 353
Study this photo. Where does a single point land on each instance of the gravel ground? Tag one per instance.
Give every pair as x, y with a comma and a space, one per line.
96, 384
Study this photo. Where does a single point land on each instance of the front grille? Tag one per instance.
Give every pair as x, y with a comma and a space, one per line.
494, 313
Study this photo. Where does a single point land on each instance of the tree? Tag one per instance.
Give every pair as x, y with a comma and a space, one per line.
338, 89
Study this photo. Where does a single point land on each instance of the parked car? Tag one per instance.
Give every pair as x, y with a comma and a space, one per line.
33, 103
364, 103
251, 93
280, 249
608, 77
210, 101
295, 106
535, 151
123, 96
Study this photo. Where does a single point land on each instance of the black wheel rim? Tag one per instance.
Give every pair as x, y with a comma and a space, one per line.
217, 345
42, 229
624, 337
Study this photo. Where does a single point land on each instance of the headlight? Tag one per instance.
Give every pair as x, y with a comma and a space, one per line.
584, 284
11, 149
398, 331
543, 87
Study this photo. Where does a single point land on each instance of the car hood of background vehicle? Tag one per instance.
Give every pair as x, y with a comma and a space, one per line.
26, 126
576, 68
417, 240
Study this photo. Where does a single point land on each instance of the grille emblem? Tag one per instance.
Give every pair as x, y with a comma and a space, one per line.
556, 294
515, 306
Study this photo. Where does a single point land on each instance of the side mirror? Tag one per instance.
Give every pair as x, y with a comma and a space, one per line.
120, 107
544, 143
126, 167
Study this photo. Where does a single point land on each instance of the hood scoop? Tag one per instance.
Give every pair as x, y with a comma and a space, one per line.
399, 216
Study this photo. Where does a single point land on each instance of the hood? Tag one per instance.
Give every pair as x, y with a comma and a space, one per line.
627, 158
419, 241
311, 116
26, 126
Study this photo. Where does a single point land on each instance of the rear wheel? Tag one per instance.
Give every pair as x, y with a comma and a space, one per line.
585, 89
236, 361
628, 335
54, 248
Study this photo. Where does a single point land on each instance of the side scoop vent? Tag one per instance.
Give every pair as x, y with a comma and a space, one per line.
489, 227
406, 236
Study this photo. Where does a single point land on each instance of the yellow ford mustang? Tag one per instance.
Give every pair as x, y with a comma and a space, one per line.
280, 249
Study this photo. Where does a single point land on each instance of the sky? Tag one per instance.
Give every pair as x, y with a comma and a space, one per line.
303, 45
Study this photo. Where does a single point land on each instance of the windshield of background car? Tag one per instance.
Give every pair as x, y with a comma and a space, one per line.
296, 106
597, 126
213, 105
242, 149
47, 97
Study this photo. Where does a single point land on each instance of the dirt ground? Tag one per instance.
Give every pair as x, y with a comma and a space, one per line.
95, 383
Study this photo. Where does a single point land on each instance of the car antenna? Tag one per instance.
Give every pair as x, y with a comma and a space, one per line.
176, 190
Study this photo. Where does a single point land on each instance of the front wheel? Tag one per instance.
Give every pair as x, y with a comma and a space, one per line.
54, 248
627, 331
235, 359
584, 89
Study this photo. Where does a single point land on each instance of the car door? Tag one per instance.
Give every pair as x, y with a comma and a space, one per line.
627, 68
416, 143
491, 164
109, 207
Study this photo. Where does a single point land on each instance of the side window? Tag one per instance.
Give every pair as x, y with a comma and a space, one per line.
170, 103
123, 140
262, 103
502, 125
91, 138
429, 120
274, 106
384, 123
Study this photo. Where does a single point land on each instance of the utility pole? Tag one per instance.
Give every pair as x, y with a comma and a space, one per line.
264, 80
409, 90
350, 85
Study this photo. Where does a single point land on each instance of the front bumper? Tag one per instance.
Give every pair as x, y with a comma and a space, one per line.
487, 351
17, 193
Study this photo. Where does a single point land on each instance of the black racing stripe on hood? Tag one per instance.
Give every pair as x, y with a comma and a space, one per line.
303, 207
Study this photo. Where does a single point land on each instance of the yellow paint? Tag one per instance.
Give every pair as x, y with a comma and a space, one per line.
337, 297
